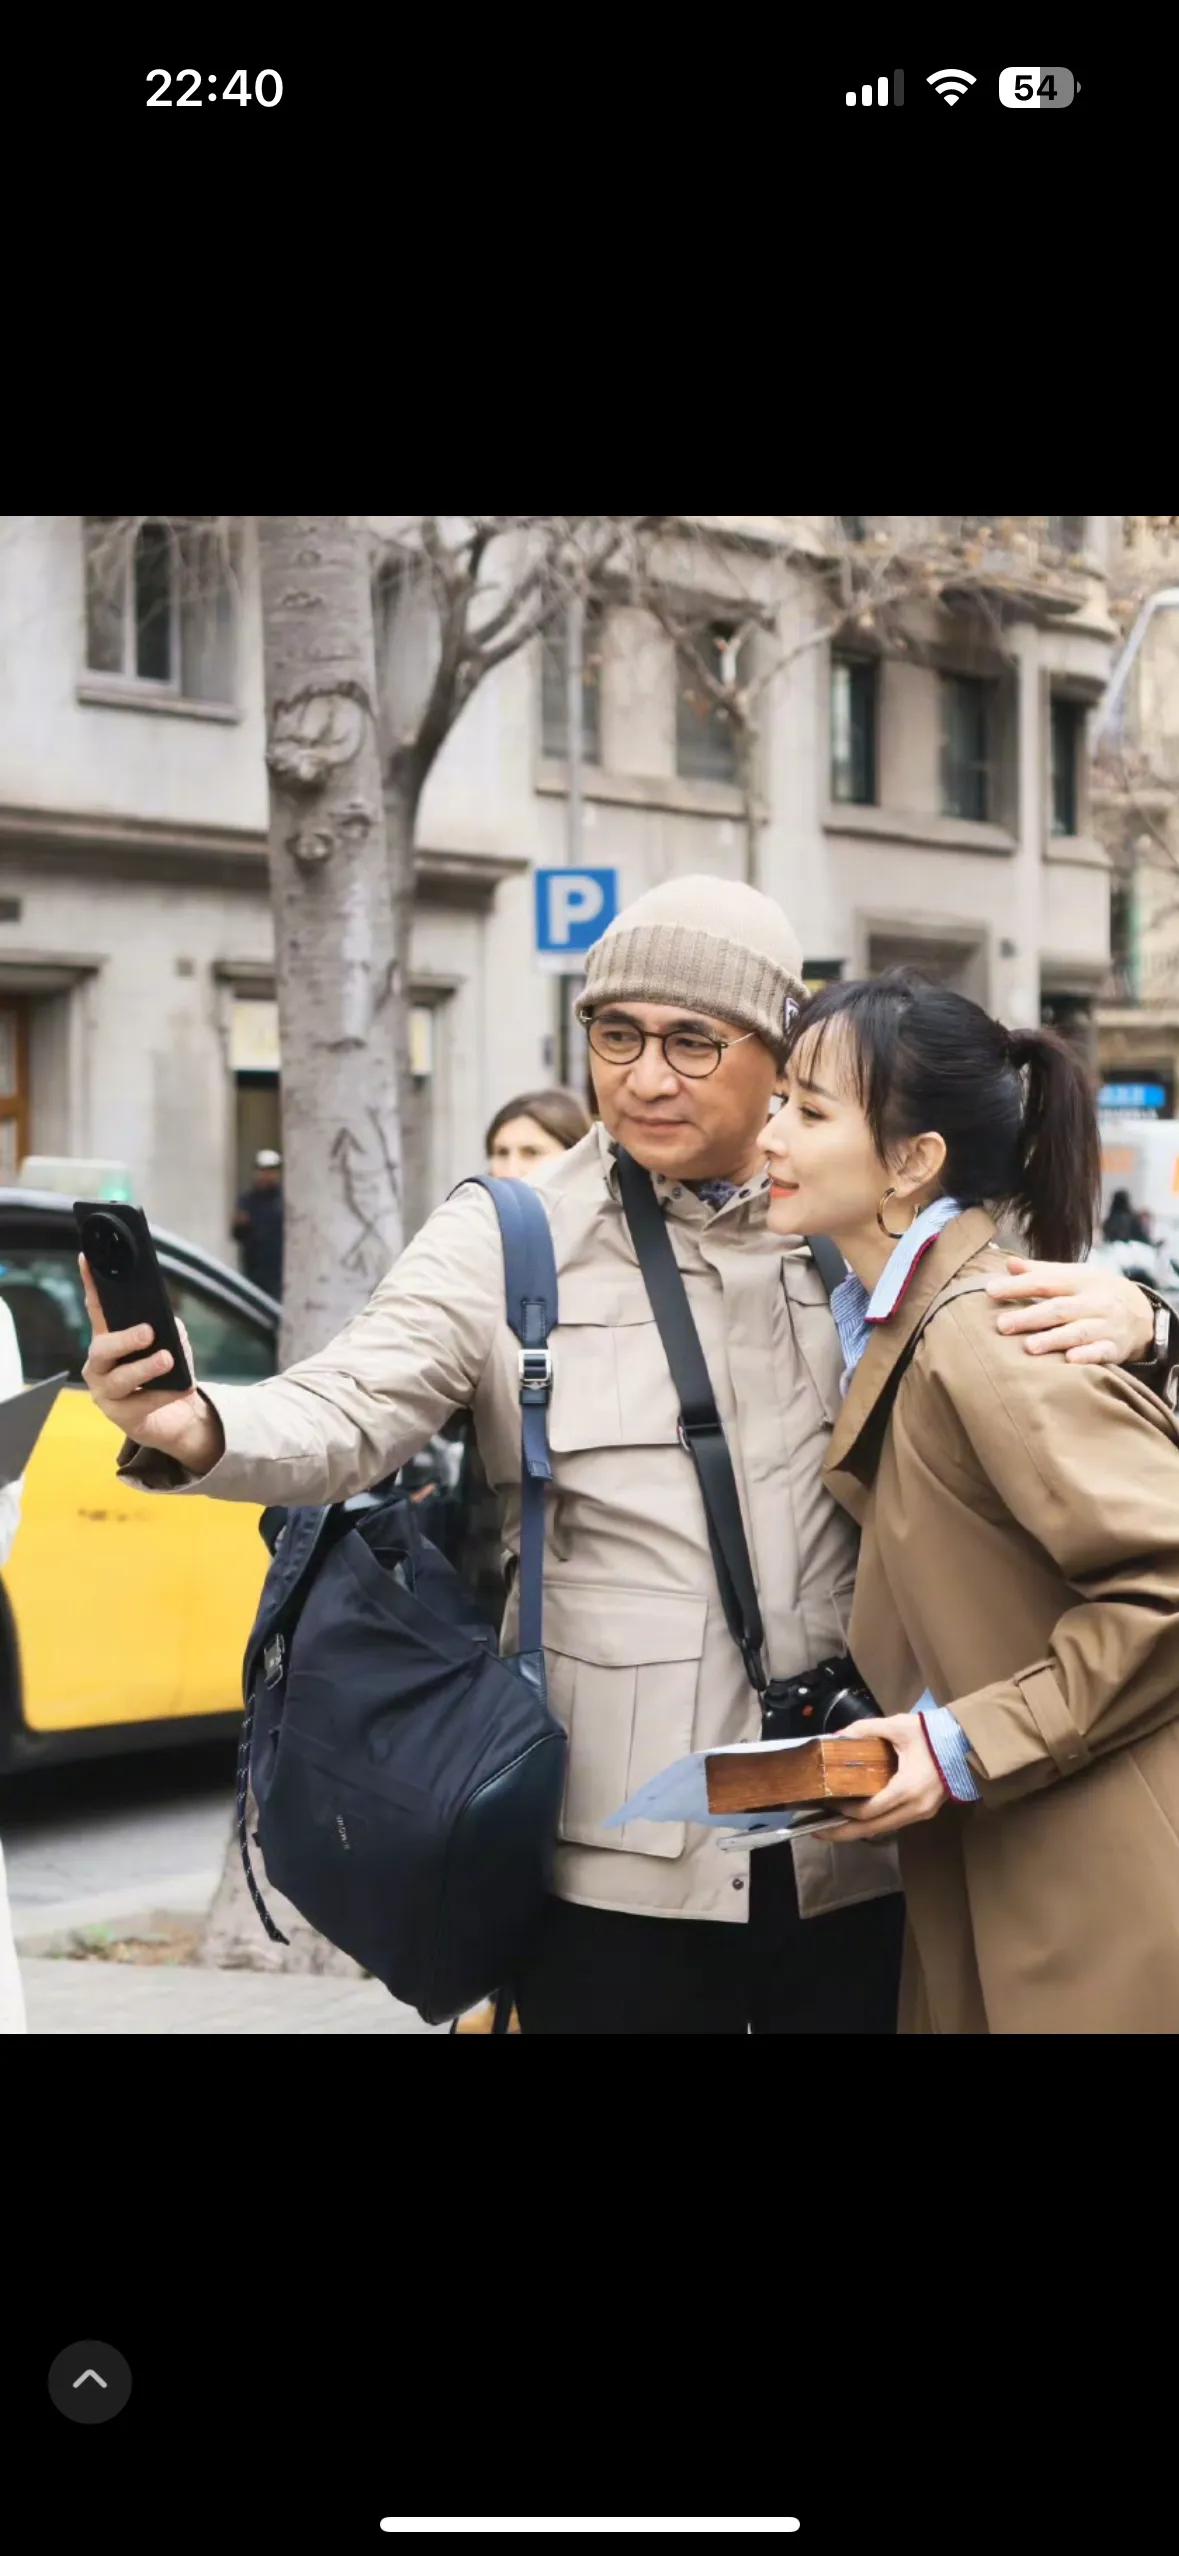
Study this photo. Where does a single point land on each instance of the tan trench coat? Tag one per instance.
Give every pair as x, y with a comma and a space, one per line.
1020, 1558
642, 1667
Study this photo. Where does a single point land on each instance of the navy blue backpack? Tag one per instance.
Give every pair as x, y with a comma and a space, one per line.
408, 1779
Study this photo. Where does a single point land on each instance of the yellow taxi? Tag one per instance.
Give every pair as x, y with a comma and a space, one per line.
123, 1618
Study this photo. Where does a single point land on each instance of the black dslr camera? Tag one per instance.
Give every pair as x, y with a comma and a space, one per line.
817, 1704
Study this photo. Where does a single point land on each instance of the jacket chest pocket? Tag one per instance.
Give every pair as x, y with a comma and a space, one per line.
623, 1670
611, 1383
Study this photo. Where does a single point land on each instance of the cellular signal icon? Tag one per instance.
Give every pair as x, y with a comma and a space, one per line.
951, 85
876, 91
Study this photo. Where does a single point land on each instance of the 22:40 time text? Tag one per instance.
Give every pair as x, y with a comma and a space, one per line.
267, 88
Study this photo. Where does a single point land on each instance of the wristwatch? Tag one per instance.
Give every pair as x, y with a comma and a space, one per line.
1160, 1367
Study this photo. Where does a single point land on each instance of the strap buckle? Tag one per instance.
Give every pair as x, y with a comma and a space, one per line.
536, 1375
703, 1428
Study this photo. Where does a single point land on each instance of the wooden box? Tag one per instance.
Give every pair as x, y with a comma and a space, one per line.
821, 1771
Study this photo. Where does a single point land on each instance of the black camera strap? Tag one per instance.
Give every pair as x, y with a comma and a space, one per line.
700, 1423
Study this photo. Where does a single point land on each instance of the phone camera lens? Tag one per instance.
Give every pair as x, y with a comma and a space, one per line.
108, 1247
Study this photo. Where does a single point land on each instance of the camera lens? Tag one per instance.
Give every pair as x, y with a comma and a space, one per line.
108, 1247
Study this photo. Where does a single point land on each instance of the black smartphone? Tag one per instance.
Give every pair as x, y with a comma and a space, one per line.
129, 1283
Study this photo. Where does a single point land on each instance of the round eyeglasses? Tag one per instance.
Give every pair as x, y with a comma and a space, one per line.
691, 1052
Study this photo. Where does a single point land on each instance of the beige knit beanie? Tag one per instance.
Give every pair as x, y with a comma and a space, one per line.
714, 944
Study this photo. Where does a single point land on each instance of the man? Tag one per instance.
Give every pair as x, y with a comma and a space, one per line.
257, 1224
652, 1927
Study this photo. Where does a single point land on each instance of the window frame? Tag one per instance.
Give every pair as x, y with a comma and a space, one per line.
127, 680
723, 627
855, 663
985, 690
1064, 705
591, 750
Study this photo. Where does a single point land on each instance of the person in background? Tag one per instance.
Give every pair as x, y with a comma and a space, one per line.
532, 1130
257, 1224
1124, 1223
1126, 1242
524, 1137
12, 2004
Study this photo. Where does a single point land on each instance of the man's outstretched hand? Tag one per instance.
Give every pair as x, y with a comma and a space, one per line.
178, 1424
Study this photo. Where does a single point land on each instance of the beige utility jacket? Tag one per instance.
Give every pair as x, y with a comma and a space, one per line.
642, 1667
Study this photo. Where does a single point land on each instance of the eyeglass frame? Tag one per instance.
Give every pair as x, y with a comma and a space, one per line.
661, 1037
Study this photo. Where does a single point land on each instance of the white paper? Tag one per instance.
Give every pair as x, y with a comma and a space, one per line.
681, 1793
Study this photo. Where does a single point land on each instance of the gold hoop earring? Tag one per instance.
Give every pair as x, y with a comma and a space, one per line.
887, 1229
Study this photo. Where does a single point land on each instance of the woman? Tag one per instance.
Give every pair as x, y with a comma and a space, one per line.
1016, 1610
527, 1133
532, 1130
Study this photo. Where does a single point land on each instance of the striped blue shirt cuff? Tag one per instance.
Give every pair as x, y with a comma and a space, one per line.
950, 1747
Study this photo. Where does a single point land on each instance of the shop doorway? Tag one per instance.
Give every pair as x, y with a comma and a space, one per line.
257, 1124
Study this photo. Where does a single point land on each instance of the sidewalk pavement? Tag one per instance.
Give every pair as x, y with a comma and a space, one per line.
67, 1996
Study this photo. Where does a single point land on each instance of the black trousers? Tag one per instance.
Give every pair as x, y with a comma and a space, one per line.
602, 1970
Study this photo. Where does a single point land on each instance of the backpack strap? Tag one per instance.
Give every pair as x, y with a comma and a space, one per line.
830, 1263
874, 1433
957, 1287
530, 1286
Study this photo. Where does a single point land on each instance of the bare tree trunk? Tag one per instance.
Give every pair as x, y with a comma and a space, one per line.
341, 1011
340, 994
401, 794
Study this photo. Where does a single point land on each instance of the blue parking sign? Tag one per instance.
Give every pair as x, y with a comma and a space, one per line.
573, 909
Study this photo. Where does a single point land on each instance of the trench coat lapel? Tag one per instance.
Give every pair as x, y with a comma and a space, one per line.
855, 1440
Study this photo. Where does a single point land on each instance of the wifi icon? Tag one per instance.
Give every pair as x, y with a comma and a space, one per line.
951, 85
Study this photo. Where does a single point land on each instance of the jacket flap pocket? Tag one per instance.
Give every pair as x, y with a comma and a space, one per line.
622, 1628
603, 1295
624, 1665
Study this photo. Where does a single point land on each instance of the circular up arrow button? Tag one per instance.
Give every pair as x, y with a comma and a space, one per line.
89, 2382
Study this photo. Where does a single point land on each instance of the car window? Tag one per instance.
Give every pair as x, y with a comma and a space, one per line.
227, 1345
43, 1292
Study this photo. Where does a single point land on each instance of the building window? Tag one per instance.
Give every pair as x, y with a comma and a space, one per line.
554, 693
160, 607
705, 737
1067, 533
1067, 739
1123, 939
967, 733
853, 730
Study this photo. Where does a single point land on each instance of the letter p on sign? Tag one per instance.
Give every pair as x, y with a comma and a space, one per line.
572, 901
573, 909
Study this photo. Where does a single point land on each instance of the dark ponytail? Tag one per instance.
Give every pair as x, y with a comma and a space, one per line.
1059, 1189
1014, 1108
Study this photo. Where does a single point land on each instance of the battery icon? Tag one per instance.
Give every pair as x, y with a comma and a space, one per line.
876, 92
1022, 86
